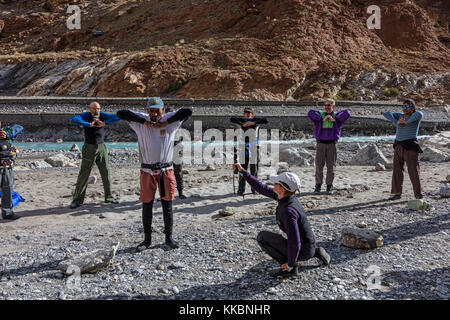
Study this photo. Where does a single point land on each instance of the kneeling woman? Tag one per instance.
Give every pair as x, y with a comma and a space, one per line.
297, 242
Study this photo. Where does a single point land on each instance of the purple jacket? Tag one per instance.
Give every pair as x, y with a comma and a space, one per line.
289, 215
333, 133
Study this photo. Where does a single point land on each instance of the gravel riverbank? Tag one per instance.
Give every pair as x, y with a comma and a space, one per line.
219, 257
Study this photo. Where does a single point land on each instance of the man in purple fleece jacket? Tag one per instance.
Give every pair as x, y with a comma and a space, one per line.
297, 241
327, 130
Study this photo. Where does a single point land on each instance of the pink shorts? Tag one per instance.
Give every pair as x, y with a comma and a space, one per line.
149, 183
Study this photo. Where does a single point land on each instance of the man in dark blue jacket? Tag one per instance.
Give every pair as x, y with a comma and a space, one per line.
7, 136
248, 122
297, 241
93, 151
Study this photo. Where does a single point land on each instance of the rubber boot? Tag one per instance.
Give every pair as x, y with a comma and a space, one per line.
329, 189
168, 223
178, 172
317, 188
147, 217
181, 195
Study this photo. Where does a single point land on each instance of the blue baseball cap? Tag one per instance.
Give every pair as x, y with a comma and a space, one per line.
155, 102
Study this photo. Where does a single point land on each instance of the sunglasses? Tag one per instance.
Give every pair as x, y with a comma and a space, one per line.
405, 106
328, 105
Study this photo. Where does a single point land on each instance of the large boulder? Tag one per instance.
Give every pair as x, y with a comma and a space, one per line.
434, 155
60, 160
294, 156
90, 262
370, 155
440, 140
40, 164
361, 238
75, 148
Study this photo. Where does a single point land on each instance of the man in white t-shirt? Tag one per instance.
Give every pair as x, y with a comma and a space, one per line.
156, 131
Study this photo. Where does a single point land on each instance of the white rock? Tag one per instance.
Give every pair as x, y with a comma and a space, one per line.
89, 262
434, 155
444, 192
92, 180
59, 160
227, 211
272, 290
75, 148
294, 156
439, 140
370, 155
418, 204
40, 164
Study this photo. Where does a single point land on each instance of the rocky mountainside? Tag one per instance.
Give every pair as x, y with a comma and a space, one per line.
237, 49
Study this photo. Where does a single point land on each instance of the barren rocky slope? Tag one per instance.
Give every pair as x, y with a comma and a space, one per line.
251, 49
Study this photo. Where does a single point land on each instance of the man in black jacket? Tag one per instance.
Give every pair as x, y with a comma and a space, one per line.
249, 121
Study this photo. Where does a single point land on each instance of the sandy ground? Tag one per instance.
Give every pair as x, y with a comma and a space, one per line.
47, 223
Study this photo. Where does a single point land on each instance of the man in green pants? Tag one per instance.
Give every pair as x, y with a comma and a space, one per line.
94, 151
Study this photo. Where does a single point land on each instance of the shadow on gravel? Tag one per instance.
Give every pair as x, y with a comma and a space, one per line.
133, 249
191, 199
255, 281
210, 208
341, 254
47, 266
416, 229
416, 284
355, 207
83, 210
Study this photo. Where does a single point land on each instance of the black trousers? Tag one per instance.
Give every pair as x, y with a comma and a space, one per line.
253, 172
178, 172
7, 182
277, 247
